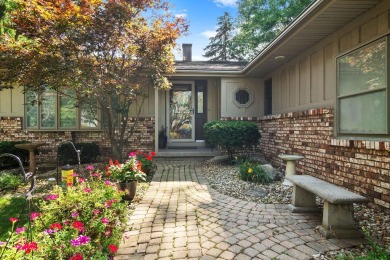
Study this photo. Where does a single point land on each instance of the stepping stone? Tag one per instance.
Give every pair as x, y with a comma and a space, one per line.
260, 192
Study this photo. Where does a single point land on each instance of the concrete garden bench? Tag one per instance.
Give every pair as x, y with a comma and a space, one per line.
337, 220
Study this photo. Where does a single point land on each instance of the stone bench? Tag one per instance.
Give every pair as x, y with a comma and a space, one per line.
337, 220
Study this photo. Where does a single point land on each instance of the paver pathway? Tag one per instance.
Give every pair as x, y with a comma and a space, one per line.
182, 217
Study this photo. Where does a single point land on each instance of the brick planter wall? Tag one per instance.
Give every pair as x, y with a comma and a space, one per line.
11, 129
360, 166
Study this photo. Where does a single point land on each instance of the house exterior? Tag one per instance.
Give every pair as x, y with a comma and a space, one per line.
320, 89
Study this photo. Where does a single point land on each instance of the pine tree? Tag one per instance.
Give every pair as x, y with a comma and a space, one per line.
219, 47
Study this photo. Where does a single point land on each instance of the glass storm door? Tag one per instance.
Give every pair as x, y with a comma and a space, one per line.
181, 113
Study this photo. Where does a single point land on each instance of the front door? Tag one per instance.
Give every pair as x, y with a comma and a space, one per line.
181, 112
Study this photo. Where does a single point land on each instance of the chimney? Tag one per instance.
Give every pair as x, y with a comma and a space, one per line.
187, 51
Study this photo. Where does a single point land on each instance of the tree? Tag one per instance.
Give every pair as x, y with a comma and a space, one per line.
260, 21
103, 50
219, 47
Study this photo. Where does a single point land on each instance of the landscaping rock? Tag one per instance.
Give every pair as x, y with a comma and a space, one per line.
260, 192
272, 173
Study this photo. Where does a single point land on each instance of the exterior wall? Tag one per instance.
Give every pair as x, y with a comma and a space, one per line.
309, 80
360, 166
229, 86
11, 129
11, 102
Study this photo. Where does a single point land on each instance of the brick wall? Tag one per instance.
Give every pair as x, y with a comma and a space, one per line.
360, 166
11, 129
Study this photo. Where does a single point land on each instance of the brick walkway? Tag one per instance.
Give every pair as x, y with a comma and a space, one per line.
181, 217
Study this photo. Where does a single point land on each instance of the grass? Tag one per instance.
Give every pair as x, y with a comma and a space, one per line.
11, 207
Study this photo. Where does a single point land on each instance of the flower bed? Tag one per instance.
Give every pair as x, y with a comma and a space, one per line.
83, 221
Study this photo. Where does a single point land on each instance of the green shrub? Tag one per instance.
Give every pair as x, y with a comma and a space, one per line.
232, 135
81, 222
10, 181
9, 147
252, 171
67, 155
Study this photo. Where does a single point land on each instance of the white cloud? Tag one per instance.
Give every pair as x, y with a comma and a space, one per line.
208, 34
232, 3
182, 15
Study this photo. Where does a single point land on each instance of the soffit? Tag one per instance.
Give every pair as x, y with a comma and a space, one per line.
318, 21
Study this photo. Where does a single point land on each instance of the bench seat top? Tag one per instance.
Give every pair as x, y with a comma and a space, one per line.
327, 191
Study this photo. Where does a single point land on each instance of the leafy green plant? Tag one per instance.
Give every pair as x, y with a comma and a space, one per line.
252, 171
9, 147
129, 171
232, 135
10, 206
81, 222
146, 160
10, 181
67, 154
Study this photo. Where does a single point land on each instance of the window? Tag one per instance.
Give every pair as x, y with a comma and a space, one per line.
242, 97
362, 90
60, 110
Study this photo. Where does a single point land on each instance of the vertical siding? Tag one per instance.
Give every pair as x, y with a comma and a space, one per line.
11, 102
309, 80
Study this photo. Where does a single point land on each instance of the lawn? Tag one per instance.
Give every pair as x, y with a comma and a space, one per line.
11, 206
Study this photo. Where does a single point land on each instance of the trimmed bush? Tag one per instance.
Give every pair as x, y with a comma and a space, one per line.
9, 147
232, 135
67, 155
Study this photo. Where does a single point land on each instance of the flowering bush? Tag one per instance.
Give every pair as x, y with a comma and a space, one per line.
146, 160
129, 171
252, 171
82, 222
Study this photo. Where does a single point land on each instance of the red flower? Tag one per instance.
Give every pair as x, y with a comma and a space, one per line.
13, 220
34, 215
77, 256
149, 158
29, 246
116, 163
110, 162
152, 154
69, 184
78, 225
113, 248
56, 226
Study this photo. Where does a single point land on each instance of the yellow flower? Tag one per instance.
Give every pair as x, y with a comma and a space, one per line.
250, 170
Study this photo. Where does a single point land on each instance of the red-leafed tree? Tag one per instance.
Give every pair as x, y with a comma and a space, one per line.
96, 49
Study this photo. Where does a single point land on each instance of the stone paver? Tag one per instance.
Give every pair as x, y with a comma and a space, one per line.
182, 217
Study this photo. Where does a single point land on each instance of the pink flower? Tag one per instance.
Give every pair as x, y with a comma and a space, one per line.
87, 190
107, 183
75, 214
81, 180
52, 197
80, 240
96, 211
74, 174
132, 154
97, 175
109, 203
29, 246
34, 215
13, 220
20, 230
105, 221
90, 168
49, 231
108, 232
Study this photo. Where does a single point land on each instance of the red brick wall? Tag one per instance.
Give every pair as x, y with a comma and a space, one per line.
361, 166
11, 129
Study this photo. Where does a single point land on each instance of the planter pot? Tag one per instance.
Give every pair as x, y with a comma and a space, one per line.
162, 142
150, 170
130, 188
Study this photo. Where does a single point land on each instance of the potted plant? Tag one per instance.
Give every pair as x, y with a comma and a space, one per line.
162, 138
127, 175
146, 160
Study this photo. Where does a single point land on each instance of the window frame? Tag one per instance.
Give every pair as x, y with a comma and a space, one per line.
57, 115
386, 89
250, 100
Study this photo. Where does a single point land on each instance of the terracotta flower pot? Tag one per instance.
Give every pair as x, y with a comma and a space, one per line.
130, 188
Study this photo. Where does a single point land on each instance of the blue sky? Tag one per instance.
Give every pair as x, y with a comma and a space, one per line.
202, 17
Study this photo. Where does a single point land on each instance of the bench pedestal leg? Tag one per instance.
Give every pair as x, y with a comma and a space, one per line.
303, 201
337, 221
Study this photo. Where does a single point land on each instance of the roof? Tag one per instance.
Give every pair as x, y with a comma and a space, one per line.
316, 22
210, 65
